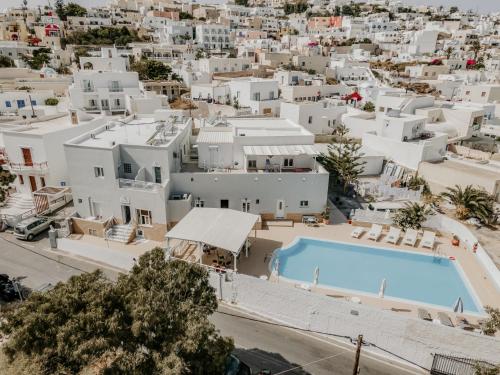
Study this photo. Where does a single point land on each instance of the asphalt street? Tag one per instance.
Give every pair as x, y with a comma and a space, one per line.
259, 344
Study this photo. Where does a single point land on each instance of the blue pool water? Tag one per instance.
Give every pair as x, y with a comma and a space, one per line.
409, 276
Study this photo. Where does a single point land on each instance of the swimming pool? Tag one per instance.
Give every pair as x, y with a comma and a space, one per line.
409, 276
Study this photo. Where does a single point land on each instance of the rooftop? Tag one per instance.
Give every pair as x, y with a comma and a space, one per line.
39, 126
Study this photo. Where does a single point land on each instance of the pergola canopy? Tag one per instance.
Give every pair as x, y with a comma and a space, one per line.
220, 227
285, 150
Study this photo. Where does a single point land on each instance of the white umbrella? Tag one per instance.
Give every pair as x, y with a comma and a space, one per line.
316, 276
458, 307
381, 291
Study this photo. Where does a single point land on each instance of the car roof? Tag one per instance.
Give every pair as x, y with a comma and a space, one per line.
29, 221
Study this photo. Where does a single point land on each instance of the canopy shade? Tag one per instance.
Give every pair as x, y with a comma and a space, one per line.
220, 227
288, 150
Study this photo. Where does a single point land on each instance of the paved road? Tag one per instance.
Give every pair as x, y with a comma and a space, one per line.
280, 350
261, 345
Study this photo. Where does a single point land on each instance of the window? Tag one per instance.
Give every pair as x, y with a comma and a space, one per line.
99, 171
21, 179
483, 93
8, 104
33, 102
288, 162
310, 120
127, 168
304, 203
157, 173
199, 203
224, 203
467, 93
21, 103
257, 201
42, 181
256, 96
144, 217
252, 164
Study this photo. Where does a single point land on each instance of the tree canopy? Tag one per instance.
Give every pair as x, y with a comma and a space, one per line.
69, 10
151, 70
153, 320
38, 59
6, 62
343, 159
411, 216
471, 202
6, 178
103, 36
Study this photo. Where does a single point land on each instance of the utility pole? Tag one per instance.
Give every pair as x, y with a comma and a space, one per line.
355, 370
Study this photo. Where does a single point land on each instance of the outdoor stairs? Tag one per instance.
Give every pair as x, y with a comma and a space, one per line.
121, 233
17, 204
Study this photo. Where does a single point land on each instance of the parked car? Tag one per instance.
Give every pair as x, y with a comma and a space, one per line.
234, 366
29, 228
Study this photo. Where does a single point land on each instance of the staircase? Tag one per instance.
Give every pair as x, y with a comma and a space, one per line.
16, 208
124, 233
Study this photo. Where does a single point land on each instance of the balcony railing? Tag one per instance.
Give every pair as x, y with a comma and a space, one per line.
32, 167
124, 183
115, 89
88, 89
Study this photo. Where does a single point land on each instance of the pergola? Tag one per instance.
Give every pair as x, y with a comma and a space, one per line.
219, 227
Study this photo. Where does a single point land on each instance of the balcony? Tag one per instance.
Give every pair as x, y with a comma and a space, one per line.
42, 167
88, 89
115, 89
124, 183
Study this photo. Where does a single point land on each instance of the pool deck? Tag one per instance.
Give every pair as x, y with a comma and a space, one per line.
273, 237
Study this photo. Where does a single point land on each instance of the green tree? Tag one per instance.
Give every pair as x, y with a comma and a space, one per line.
74, 10
369, 107
153, 320
6, 178
492, 324
241, 2
448, 52
40, 57
343, 159
411, 216
103, 36
416, 182
6, 62
151, 70
453, 10
51, 101
471, 202
185, 16
475, 47
59, 6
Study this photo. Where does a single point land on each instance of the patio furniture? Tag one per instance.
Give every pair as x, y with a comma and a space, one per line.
309, 219
444, 319
410, 237
357, 232
424, 314
428, 239
375, 232
393, 235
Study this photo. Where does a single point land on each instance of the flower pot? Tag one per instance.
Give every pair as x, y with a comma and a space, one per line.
455, 242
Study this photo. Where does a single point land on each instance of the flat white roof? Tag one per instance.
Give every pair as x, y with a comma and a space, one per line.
280, 150
221, 227
207, 136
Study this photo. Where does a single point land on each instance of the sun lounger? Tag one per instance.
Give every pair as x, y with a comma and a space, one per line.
444, 319
357, 232
410, 237
424, 314
375, 232
393, 235
428, 239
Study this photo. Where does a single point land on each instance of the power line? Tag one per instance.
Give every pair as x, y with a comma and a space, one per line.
351, 339
309, 363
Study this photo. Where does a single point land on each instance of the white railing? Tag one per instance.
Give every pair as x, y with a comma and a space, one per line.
370, 216
139, 185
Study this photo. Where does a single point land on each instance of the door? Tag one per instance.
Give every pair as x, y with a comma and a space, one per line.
126, 214
28, 160
280, 209
33, 183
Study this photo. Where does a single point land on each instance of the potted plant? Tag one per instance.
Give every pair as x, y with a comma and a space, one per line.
326, 215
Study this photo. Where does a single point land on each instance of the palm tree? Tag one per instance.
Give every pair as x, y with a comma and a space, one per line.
411, 216
471, 202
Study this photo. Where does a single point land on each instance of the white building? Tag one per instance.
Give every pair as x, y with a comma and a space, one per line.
224, 65
214, 36
320, 117
260, 95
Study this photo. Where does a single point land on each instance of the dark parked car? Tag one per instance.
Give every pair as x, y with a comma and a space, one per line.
235, 366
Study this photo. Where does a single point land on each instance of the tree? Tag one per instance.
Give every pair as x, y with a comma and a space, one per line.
103, 36
343, 160
6, 178
185, 16
51, 101
453, 10
60, 9
241, 2
153, 320
471, 202
475, 47
69, 10
6, 62
416, 183
492, 324
151, 70
448, 52
369, 107
40, 57
411, 216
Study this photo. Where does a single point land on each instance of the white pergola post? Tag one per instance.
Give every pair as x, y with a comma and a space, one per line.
200, 249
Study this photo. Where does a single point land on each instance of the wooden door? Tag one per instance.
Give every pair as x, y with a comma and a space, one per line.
28, 161
33, 183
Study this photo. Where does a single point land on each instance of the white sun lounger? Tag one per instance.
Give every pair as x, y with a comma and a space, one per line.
375, 232
428, 239
357, 232
393, 235
410, 237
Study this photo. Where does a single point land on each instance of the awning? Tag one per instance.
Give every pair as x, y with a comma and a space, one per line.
287, 150
220, 227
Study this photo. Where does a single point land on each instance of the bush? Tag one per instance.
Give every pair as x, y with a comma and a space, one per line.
52, 101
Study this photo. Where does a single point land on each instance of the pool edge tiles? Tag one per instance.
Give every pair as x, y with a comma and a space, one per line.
451, 269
